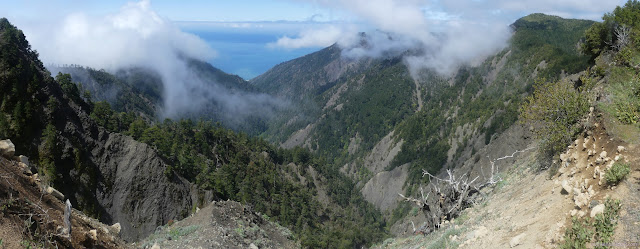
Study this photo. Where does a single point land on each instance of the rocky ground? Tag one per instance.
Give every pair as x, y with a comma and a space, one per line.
32, 217
221, 224
532, 208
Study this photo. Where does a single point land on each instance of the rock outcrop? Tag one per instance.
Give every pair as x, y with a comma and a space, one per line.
7, 149
139, 197
382, 190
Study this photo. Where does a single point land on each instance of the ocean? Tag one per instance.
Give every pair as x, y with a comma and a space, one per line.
246, 52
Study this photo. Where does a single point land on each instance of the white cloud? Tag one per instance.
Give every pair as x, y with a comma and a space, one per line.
437, 38
323, 37
136, 36
443, 35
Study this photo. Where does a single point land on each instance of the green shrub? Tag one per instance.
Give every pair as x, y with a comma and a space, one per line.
625, 95
617, 172
606, 222
555, 109
578, 235
599, 229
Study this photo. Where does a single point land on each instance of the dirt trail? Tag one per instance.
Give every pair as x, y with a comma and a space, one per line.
529, 209
539, 211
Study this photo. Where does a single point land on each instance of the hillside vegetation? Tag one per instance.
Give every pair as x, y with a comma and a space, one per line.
62, 132
355, 117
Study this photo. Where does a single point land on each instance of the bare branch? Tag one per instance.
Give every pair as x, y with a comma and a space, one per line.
622, 34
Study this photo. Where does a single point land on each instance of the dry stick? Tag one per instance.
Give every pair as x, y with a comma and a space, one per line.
459, 185
492, 180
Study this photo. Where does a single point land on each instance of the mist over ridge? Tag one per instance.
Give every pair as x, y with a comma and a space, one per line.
137, 36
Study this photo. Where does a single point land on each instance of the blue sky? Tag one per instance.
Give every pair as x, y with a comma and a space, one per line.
70, 31
184, 10
300, 10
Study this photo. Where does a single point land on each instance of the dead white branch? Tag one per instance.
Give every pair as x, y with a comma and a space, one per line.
622, 34
494, 178
452, 194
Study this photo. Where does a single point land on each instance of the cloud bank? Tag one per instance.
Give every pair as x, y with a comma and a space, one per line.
322, 37
440, 35
137, 36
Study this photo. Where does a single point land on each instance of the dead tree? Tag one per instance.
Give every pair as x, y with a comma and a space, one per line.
67, 219
452, 194
623, 34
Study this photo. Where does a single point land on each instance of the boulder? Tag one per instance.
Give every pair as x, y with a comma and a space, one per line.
116, 228
24, 159
34, 179
7, 149
93, 235
55, 193
581, 200
603, 154
515, 241
566, 188
621, 149
598, 209
599, 160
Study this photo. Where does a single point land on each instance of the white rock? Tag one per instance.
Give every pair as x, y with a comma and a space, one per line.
562, 170
581, 214
573, 212
155, 246
616, 158
576, 191
116, 228
591, 109
581, 200
591, 153
603, 154
515, 241
24, 159
610, 165
566, 188
55, 193
34, 179
93, 234
597, 210
252, 246
621, 149
25, 169
598, 160
7, 149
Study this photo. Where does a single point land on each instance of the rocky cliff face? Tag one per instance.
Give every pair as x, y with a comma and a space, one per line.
137, 193
106, 175
121, 179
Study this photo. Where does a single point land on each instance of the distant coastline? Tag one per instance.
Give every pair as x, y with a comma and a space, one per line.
245, 53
